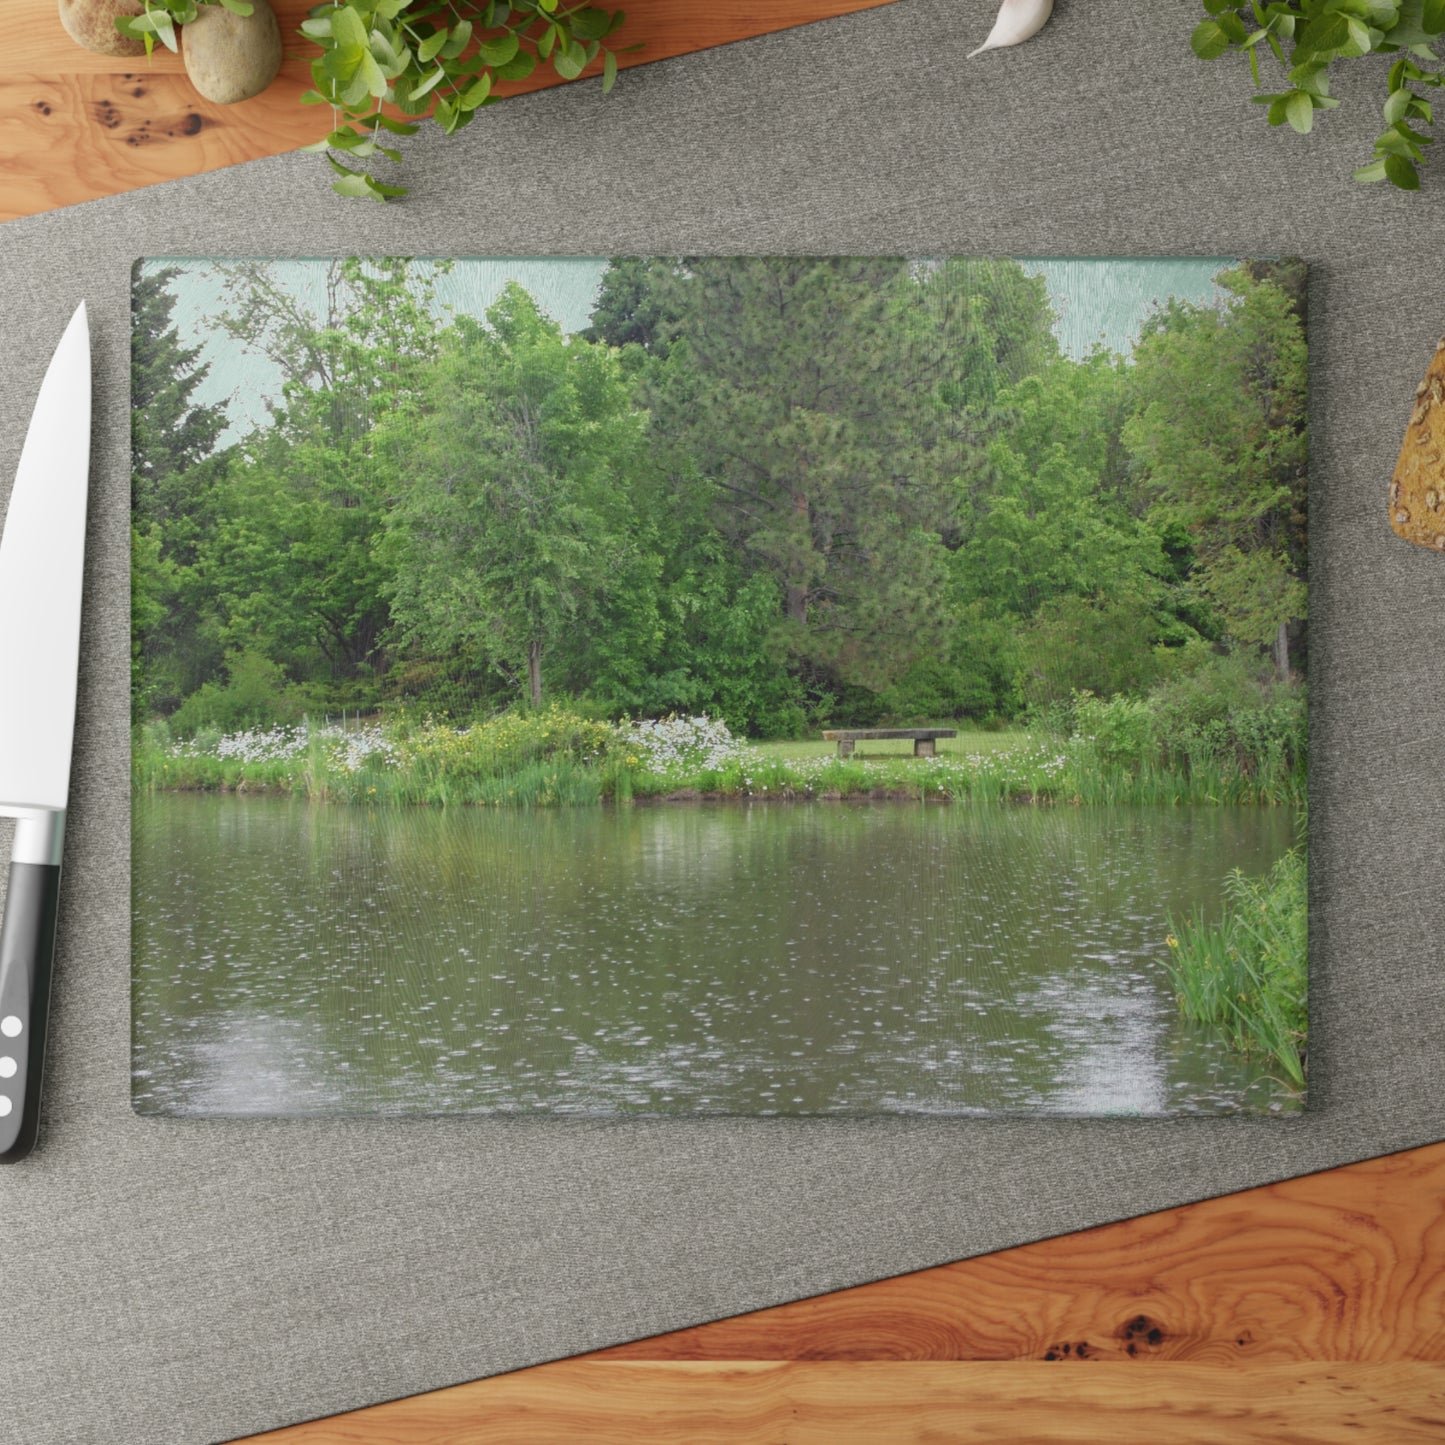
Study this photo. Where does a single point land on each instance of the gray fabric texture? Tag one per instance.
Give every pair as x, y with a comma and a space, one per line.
166, 1281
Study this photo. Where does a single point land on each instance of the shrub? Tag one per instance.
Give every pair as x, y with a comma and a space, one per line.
507, 742
256, 693
1119, 731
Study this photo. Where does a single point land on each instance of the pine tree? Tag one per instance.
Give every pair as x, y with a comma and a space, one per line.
174, 464
806, 392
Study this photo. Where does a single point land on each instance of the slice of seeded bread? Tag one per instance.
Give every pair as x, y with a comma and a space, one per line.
1417, 490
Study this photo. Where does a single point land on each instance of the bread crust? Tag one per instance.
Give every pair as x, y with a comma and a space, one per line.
1417, 489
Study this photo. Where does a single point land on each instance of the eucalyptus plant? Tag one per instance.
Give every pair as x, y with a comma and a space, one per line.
439, 58
386, 65
1308, 36
159, 19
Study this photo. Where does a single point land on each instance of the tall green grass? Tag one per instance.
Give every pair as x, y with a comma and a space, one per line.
1045, 775
1113, 755
1247, 974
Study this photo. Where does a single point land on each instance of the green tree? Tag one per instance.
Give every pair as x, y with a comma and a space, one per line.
806, 393
294, 569
1220, 436
174, 467
517, 534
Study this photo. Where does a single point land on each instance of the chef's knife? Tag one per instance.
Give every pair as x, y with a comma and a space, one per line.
42, 553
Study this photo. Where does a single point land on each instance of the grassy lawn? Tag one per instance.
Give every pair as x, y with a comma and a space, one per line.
964, 745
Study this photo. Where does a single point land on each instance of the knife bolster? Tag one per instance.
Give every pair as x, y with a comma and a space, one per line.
39, 835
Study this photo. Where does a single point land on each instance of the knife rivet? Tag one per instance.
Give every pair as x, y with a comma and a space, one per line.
5, 1106
7, 1068
10, 1026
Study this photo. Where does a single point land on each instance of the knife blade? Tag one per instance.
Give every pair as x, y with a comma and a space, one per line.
42, 557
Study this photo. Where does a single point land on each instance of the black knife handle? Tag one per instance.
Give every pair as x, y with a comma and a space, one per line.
27, 951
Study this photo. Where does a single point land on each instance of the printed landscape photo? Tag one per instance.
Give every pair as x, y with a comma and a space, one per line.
719, 685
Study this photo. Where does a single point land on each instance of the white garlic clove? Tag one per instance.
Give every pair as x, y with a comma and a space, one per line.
1018, 20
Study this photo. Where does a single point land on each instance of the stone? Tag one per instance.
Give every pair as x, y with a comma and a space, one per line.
91, 23
231, 57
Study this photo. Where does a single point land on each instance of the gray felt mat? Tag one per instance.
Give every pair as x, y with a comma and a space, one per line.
168, 1281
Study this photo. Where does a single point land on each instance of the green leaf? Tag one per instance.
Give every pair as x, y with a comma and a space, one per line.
1358, 40
1404, 129
591, 23
355, 185
312, 97
429, 84
396, 127
355, 91
609, 72
384, 53
239, 7
427, 50
372, 75
547, 41
348, 29
570, 60
1375, 171
519, 67
1396, 106
1299, 110
460, 38
1432, 19
500, 50
1235, 30
1209, 41
1402, 173
476, 94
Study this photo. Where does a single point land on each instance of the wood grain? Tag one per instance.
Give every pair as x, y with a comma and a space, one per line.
1308, 1311
790, 1403
1347, 1265
74, 126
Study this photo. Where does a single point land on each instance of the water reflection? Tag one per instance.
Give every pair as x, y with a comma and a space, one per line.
773, 959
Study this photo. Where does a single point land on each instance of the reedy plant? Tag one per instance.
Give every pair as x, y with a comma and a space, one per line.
1317, 34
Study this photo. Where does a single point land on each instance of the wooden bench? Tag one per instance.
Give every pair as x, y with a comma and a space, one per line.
924, 739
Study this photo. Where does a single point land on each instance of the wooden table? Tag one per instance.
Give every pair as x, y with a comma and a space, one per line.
1310, 1312
74, 125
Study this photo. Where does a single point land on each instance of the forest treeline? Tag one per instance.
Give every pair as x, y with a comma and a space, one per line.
785, 492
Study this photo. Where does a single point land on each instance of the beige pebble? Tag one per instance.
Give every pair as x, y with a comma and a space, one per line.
91, 23
1402, 516
232, 57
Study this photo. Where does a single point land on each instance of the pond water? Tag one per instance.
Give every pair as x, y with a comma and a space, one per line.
292, 958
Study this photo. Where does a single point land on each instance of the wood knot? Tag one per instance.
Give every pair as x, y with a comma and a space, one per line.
1141, 1332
